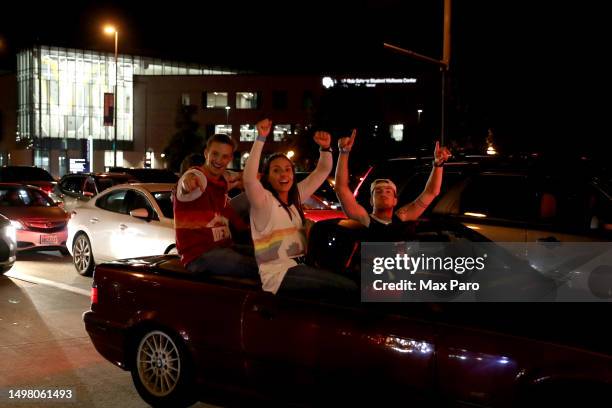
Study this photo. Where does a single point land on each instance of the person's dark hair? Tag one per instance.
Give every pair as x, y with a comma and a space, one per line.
192, 160
221, 138
294, 192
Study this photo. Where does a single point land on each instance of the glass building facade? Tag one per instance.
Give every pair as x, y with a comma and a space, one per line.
61, 94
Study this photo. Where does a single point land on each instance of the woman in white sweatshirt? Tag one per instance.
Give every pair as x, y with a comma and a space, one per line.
277, 219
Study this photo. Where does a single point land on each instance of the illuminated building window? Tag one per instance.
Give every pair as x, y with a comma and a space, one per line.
185, 99
60, 92
397, 132
247, 133
215, 99
247, 100
281, 132
109, 158
224, 129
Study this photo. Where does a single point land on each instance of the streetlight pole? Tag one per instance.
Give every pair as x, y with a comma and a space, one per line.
444, 63
113, 30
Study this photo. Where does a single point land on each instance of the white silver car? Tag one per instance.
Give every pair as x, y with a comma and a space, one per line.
125, 221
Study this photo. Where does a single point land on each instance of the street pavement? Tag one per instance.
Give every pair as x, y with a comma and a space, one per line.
43, 342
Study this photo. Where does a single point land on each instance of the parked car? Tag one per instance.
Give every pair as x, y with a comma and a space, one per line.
31, 175
8, 244
75, 189
124, 221
526, 199
317, 209
148, 175
325, 192
40, 223
185, 338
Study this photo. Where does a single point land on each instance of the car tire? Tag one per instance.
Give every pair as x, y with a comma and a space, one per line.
5, 269
64, 251
161, 370
82, 255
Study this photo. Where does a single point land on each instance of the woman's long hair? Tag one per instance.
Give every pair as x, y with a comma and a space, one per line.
294, 192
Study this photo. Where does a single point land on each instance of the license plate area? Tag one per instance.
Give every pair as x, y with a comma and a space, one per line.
48, 240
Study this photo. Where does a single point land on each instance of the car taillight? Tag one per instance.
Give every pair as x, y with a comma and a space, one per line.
94, 295
47, 189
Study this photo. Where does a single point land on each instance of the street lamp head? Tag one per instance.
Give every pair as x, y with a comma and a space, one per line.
227, 108
110, 29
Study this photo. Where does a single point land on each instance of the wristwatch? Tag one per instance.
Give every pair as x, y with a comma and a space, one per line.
441, 164
345, 150
326, 149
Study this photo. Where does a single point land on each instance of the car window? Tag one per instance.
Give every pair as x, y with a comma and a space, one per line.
72, 184
114, 201
24, 197
313, 204
497, 196
135, 200
572, 203
164, 201
325, 190
90, 186
106, 182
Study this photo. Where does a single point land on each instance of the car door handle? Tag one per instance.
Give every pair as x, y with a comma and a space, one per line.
94, 220
263, 312
122, 226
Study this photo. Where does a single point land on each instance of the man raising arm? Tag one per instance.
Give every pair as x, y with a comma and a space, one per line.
384, 192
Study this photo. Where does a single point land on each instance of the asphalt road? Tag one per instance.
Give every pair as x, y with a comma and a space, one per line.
43, 343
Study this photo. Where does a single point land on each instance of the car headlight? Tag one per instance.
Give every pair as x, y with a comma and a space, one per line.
10, 232
17, 225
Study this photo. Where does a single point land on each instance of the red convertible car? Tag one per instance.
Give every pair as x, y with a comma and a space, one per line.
222, 340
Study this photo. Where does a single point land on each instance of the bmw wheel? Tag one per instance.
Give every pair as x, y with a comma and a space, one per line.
161, 372
82, 255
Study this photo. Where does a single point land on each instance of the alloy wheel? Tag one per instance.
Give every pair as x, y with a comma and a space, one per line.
158, 363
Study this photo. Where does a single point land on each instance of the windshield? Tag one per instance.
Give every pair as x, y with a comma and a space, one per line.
24, 197
107, 182
20, 174
164, 201
325, 191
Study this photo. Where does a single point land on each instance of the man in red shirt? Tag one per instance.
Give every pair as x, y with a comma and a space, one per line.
202, 215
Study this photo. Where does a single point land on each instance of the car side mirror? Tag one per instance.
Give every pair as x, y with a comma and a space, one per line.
140, 213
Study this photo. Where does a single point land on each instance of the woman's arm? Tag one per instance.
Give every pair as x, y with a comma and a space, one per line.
256, 193
314, 180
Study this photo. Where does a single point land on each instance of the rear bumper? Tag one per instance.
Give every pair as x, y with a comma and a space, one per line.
109, 339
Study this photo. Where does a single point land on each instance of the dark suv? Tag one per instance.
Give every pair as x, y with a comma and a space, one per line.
524, 199
511, 200
75, 188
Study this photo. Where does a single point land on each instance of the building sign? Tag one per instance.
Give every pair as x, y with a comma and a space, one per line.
109, 109
329, 82
79, 166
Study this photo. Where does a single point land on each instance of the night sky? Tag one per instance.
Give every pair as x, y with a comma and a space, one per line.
530, 72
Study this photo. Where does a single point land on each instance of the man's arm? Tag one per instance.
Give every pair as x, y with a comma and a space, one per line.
191, 185
415, 209
349, 205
